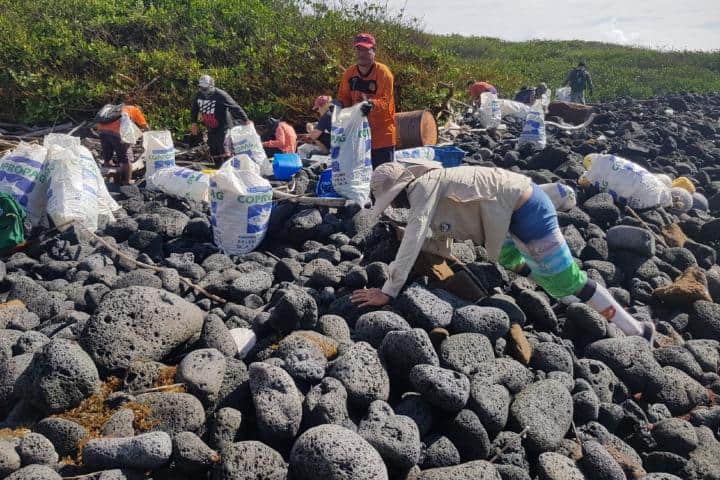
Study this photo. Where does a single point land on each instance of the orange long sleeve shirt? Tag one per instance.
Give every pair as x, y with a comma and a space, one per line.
285, 138
135, 115
377, 85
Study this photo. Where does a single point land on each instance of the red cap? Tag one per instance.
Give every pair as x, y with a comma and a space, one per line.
364, 40
320, 101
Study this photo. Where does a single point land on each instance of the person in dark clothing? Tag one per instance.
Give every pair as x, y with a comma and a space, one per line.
579, 80
217, 110
526, 95
541, 89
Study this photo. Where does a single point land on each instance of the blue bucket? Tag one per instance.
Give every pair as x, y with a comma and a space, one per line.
285, 165
449, 156
324, 186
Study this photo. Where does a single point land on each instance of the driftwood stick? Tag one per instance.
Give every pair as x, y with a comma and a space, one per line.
500, 451
586, 123
78, 127
45, 131
317, 201
198, 149
452, 100
11, 138
157, 389
124, 256
15, 126
147, 85
646, 226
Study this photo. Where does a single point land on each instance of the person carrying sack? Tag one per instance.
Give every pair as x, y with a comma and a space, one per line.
515, 219
113, 143
371, 83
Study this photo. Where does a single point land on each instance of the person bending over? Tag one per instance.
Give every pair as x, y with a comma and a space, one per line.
514, 219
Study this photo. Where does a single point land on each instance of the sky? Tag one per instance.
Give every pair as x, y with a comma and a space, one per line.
659, 24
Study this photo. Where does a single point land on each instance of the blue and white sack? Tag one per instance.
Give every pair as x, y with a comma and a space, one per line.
627, 182
244, 140
159, 150
490, 110
240, 206
73, 191
533, 132
25, 174
417, 153
181, 182
350, 154
106, 204
324, 187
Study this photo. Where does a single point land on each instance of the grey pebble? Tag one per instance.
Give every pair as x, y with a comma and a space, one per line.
331, 452
145, 451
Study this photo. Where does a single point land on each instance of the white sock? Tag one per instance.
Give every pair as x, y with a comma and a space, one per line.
603, 302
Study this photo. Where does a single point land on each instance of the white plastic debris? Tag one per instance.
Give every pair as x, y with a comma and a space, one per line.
181, 182
626, 181
418, 153
245, 340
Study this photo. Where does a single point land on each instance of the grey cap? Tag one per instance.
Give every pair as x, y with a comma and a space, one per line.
206, 81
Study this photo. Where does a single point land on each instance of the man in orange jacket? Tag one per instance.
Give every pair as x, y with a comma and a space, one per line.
371, 82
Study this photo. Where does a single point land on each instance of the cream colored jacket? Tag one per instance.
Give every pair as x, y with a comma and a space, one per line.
462, 203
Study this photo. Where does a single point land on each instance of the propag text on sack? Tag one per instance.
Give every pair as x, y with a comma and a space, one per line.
162, 157
190, 175
254, 199
13, 164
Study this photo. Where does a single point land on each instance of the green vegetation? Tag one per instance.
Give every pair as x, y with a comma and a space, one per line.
66, 58
617, 71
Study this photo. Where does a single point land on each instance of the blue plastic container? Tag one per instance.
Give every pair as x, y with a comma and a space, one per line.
324, 186
449, 156
285, 165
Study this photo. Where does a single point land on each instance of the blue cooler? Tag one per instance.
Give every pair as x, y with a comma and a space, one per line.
324, 186
285, 165
449, 156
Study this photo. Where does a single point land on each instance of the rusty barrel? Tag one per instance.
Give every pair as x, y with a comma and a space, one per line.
416, 129
575, 113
